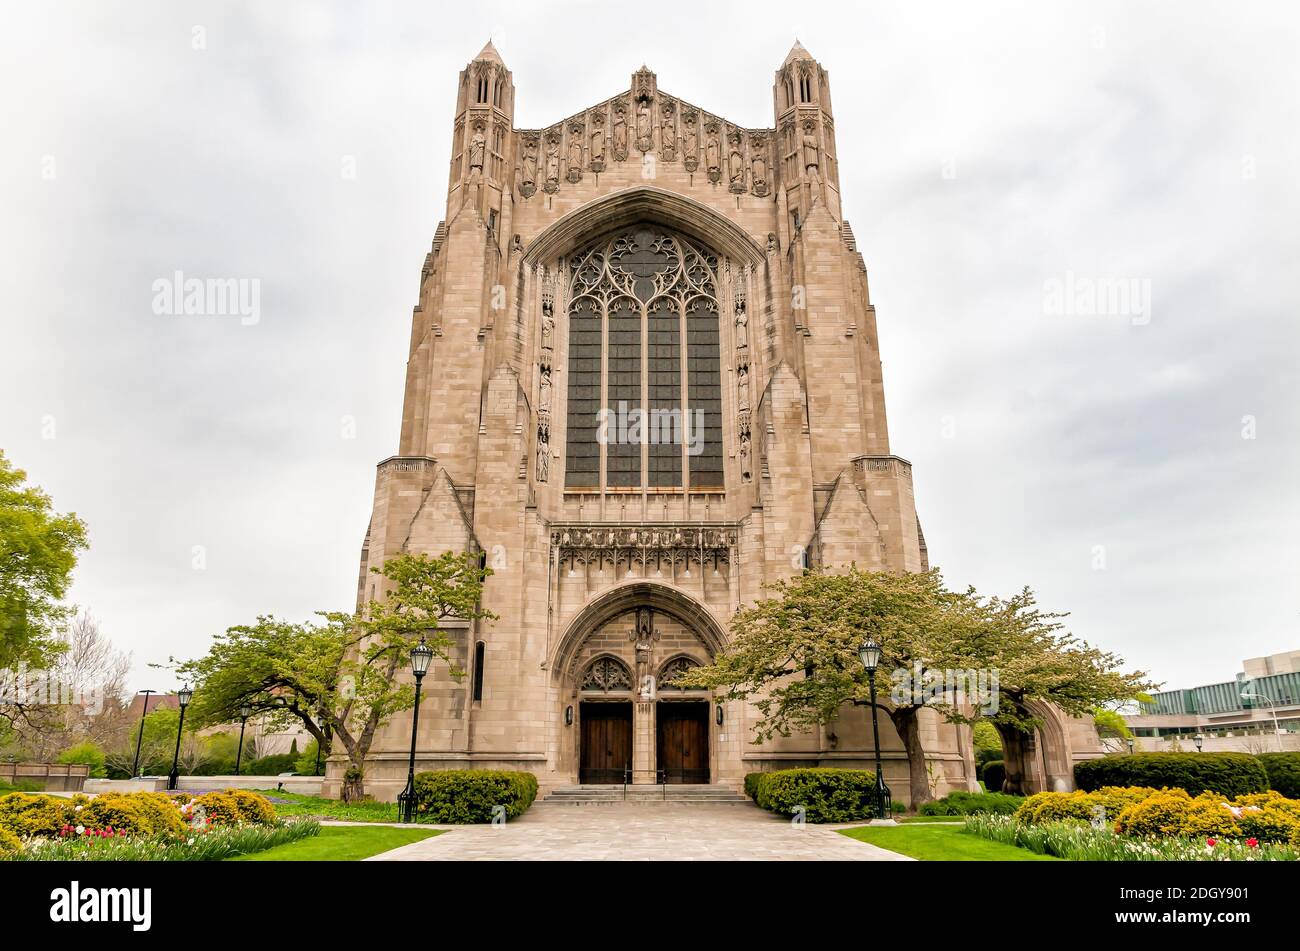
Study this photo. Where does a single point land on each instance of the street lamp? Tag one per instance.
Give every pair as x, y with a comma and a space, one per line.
421, 657
869, 654
135, 767
1272, 706
183, 698
245, 711
1131, 743
1199, 740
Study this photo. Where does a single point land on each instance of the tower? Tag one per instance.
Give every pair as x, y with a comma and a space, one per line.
643, 381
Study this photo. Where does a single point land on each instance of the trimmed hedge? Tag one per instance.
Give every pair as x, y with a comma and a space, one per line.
994, 775
826, 795
969, 804
471, 795
1283, 772
1228, 774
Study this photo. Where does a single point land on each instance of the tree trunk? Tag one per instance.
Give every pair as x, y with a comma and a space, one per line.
1014, 744
354, 780
908, 725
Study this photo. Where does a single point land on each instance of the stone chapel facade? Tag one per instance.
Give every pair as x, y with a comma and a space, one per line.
696, 278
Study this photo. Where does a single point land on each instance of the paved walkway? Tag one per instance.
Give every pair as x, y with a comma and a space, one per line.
640, 831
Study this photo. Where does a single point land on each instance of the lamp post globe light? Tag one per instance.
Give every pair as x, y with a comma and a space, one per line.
183, 697
245, 711
135, 767
421, 657
869, 653
1131, 744
1199, 740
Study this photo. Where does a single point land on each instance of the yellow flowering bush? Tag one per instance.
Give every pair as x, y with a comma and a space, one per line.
1159, 815
9, 843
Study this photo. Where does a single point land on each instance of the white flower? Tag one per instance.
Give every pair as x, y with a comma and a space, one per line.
81, 830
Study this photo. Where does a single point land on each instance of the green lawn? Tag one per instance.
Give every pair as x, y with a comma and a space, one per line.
295, 804
941, 843
340, 844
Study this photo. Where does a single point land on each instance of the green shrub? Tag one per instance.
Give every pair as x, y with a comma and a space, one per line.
9, 843
994, 775
253, 808
117, 811
969, 804
751, 784
1269, 817
471, 795
25, 814
826, 795
1283, 771
232, 806
272, 765
85, 754
1228, 774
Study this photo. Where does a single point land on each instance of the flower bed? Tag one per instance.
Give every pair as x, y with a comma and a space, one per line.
141, 826
1069, 839
210, 845
1165, 813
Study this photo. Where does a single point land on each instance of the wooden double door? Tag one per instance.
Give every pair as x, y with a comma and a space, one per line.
682, 747
606, 754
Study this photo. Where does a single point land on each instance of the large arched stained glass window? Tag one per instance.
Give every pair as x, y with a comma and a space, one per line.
644, 387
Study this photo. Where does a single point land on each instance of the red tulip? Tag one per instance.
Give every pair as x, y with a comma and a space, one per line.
1211, 842
1253, 843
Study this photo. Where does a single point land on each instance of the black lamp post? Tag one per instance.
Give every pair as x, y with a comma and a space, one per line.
183, 698
869, 654
135, 767
1199, 740
421, 657
245, 711
1131, 744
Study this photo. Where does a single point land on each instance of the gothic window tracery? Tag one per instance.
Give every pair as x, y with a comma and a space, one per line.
674, 669
605, 674
644, 303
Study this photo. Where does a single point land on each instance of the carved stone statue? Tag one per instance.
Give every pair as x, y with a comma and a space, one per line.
544, 388
548, 323
620, 131
810, 154
712, 152
691, 141
736, 165
598, 144
742, 324
552, 162
477, 145
543, 451
644, 134
528, 168
742, 387
758, 171
668, 133
772, 246
575, 154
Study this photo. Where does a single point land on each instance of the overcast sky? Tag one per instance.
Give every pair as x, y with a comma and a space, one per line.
226, 468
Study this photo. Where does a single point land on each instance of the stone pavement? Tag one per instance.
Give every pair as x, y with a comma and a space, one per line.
642, 831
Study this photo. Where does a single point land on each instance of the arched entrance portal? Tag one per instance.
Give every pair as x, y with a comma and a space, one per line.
621, 660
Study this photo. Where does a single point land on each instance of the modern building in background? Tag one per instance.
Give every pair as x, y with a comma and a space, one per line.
1261, 700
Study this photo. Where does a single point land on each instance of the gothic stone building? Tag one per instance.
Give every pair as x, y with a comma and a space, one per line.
696, 278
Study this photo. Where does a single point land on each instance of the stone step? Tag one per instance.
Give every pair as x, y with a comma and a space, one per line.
674, 793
